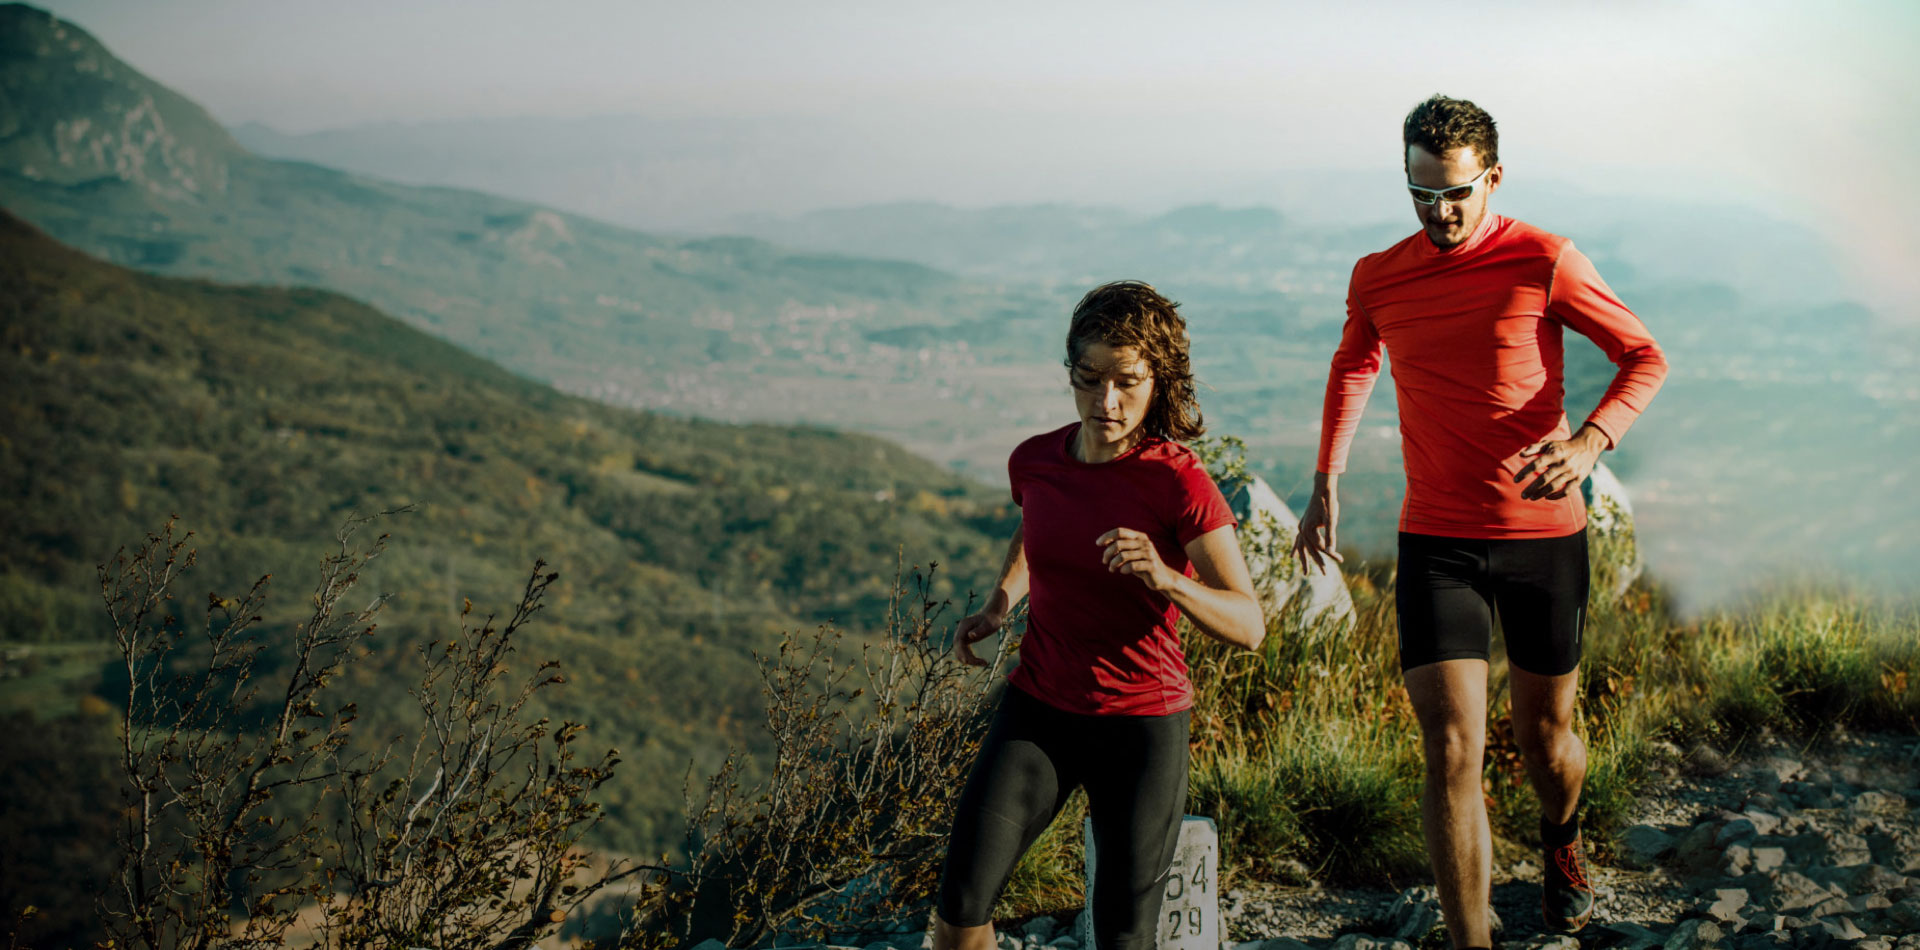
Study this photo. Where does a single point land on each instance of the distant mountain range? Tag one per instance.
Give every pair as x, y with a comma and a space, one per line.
112, 163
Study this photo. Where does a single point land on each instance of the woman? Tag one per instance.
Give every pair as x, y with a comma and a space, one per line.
1121, 531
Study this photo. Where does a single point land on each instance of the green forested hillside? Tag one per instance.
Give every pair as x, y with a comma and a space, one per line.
265, 417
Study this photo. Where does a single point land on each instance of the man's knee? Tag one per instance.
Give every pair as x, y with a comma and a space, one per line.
1545, 738
1454, 753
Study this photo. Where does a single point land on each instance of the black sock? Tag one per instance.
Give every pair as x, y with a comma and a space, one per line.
1556, 835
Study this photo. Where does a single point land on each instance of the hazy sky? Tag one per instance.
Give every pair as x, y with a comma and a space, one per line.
1808, 110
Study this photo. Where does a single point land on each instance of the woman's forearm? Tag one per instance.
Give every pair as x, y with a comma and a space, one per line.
1229, 616
1012, 582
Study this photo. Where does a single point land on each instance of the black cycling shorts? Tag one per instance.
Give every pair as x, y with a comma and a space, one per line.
1134, 769
1450, 590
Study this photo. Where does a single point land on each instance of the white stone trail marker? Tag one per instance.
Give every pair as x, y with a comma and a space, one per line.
1190, 914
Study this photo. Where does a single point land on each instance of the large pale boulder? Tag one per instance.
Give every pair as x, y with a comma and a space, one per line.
1267, 527
1617, 561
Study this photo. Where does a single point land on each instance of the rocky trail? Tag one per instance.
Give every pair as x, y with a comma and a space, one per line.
1788, 847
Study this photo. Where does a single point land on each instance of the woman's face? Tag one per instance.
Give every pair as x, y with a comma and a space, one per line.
1112, 389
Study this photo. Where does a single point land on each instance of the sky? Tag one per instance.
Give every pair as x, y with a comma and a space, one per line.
1805, 111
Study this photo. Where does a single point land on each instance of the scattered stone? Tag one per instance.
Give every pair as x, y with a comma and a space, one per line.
1736, 860
1370, 942
1415, 912
1008, 941
1067, 942
1694, 934
1906, 915
1848, 850
1879, 804
1696, 849
1793, 891
1704, 759
1621, 935
1840, 928
1547, 942
1283, 943
1768, 859
1726, 904
1041, 927
1641, 846
1740, 829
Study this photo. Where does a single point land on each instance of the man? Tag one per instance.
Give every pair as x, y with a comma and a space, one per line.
1470, 311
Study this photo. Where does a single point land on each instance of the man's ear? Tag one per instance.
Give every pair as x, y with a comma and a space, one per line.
1493, 177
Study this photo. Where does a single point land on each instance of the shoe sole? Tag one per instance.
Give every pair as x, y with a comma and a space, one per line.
1568, 924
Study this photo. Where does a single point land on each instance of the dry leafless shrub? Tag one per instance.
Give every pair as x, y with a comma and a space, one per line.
849, 823
464, 838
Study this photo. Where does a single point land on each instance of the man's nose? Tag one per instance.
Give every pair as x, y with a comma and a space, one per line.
1110, 396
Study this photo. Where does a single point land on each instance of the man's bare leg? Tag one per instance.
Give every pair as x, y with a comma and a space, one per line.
1543, 726
1557, 762
1450, 700
948, 937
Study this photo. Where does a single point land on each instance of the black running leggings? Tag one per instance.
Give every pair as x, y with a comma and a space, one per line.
1134, 769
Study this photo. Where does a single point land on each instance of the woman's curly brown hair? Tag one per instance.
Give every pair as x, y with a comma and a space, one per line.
1132, 313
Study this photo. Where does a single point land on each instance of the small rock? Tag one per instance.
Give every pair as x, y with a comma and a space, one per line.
1641, 846
1726, 904
1415, 912
1793, 891
1694, 934
1828, 907
1878, 803
1768, 858
1547, 942
1736, 830
1840, 928
1703, 759
1848, 850
1736, 861
1906, 915
1873, 879
1629, 936
1867, 903
1283, 943
1294, 871
1065, 943
1696, 849
1041, 927
1370, 942
1008, 941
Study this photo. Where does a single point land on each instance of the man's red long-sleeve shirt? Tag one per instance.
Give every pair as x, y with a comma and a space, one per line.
1473, 332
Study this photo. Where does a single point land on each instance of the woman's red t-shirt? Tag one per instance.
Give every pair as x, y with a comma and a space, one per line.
1098, 642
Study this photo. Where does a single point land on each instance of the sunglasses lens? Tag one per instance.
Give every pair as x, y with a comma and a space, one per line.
1423, 197
1457, 194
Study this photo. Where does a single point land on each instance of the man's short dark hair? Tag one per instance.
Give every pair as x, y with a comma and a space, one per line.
1441, 125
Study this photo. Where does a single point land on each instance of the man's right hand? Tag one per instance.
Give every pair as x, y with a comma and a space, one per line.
1315, 539
972, 630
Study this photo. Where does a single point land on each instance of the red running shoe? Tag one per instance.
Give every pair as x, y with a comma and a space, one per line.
1566, 899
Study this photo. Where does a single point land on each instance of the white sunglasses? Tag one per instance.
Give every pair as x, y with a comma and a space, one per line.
1452, 194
